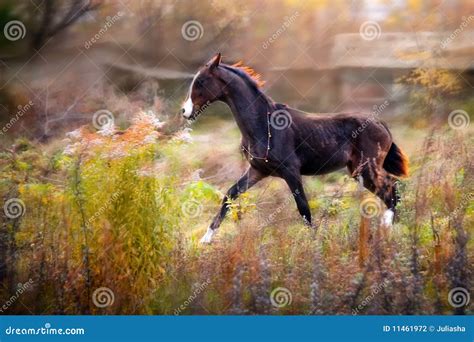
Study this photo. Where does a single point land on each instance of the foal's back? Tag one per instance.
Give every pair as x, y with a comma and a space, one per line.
336, 126
327, 142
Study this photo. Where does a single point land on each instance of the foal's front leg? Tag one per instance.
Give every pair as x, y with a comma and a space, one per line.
249, 179
295, 183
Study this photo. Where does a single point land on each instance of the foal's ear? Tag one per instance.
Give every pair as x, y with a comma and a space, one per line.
215, 61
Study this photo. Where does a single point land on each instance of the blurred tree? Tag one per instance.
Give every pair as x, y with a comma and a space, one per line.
57, 16
6, 16
432, 89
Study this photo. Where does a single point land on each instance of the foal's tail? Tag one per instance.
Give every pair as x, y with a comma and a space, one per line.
396, 162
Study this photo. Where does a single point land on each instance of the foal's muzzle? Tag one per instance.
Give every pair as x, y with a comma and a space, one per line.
195, 112
191, 117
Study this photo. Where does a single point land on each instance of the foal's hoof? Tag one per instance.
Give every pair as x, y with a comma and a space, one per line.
310, 224
207, 238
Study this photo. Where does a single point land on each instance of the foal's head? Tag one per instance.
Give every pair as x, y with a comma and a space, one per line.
211, 82
205, 88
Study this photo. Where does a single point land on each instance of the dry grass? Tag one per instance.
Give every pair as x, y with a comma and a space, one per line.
142, 244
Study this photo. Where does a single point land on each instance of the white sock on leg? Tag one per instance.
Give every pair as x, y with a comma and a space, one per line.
207, 238
387, 219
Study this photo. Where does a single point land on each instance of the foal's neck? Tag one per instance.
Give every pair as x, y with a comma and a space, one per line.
249, 107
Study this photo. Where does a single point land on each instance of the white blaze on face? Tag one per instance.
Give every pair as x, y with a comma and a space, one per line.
188, 104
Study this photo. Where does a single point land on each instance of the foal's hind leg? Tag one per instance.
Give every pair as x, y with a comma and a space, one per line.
386, 190
390, 196
249, 179
379, 182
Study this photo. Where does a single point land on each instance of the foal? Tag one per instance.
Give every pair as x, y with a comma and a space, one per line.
284, 142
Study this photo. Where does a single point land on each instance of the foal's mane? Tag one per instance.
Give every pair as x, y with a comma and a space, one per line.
241, 68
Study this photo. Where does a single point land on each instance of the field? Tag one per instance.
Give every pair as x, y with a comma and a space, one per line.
107, 223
